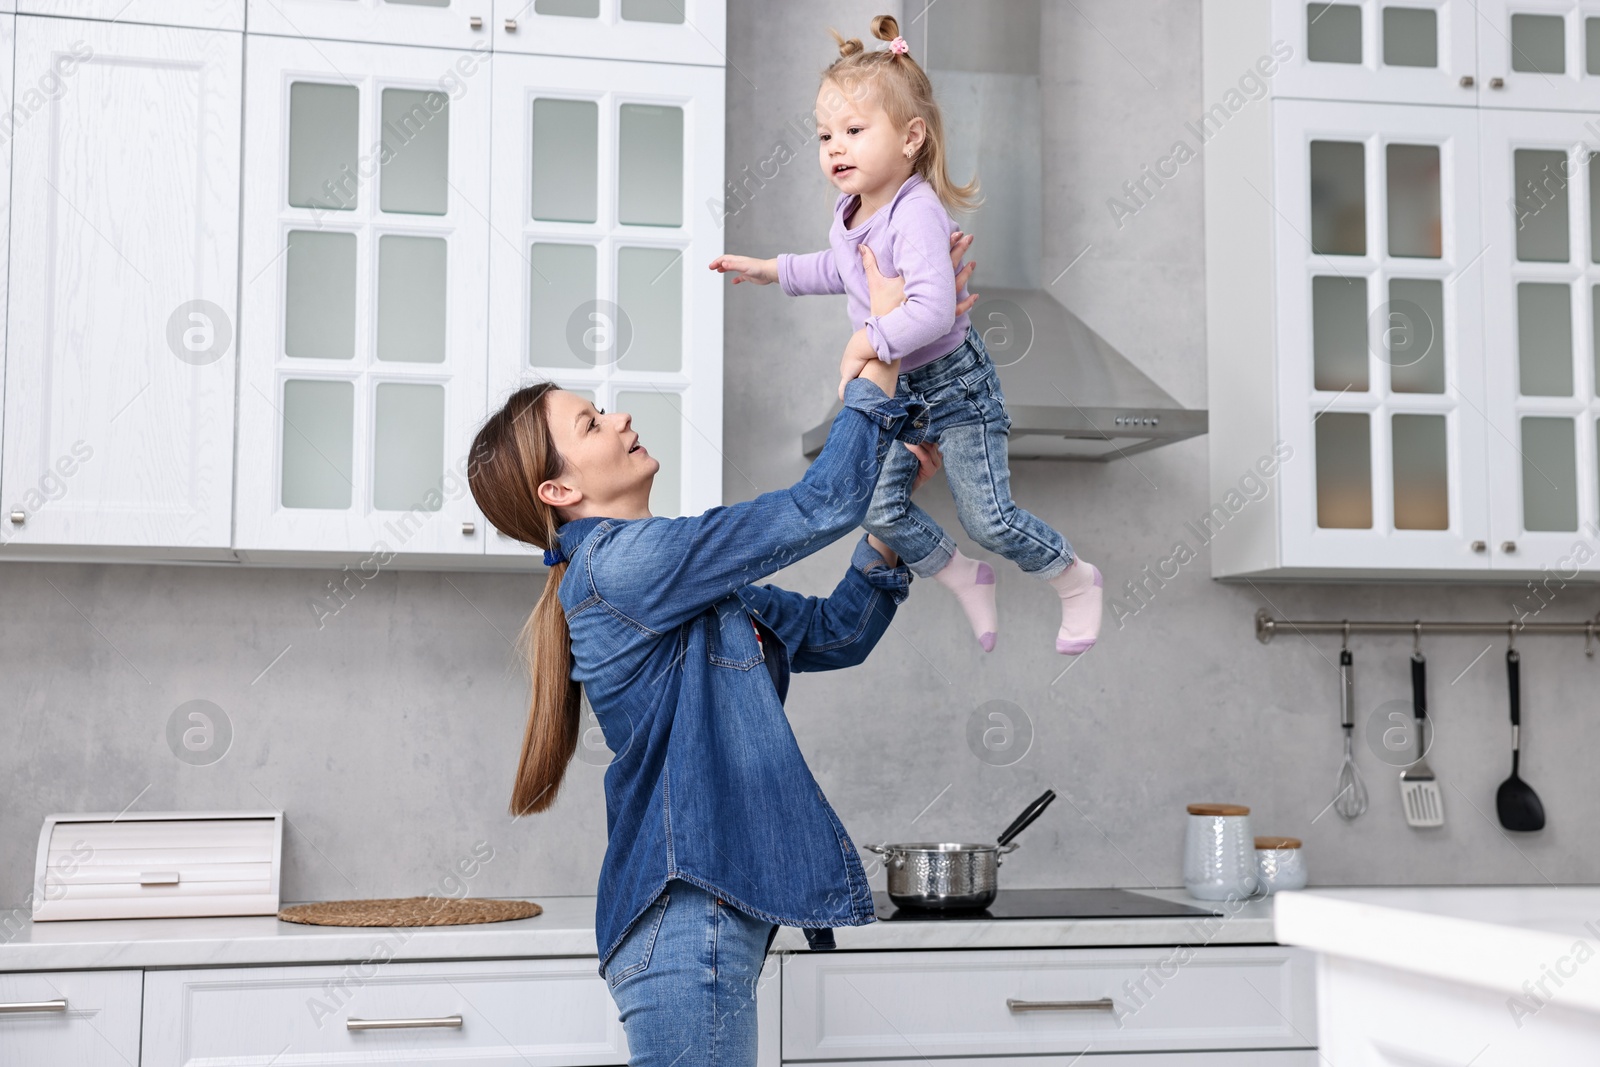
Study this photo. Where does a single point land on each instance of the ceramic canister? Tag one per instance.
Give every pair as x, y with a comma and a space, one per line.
1219, 860
1281, 863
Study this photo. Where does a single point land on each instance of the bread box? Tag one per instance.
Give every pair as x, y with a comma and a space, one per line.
158, 864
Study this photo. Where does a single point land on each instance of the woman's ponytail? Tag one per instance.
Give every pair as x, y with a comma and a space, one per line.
512, 454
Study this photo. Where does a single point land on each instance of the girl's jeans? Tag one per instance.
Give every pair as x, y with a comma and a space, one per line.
684, 979
967, 416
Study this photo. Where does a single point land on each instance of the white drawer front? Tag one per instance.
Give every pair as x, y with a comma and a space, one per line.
531, 1013
920, 1004
1307, 1057
100, 1024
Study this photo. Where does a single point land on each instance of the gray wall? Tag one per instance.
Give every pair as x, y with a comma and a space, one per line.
390, 735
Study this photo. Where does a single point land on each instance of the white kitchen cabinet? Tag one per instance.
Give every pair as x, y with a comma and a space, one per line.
364, 296
1419, 51
527, 1013
1539, 54
1541, 264
659, 31
125, 211
1039, 1002
602, 176
1354, 354
203, 14
441, 23
70, 1018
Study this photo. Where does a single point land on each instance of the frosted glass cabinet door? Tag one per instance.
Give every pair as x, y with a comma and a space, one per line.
442, 23
605, 180
1380, 50
1539, 54
661, 31
362, 326
1379, 340
204, 14
1541, 189
120, 378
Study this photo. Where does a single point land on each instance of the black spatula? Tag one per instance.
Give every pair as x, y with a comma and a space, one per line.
1517, 804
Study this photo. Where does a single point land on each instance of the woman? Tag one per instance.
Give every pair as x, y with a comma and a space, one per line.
717, 831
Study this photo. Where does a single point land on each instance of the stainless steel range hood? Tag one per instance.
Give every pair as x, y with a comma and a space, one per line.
1070, 394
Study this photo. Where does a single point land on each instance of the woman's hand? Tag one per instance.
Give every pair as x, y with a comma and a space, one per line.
759, 271
889, 293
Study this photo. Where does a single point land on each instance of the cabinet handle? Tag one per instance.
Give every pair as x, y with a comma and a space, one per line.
1466, 81
1480, 546
402, 1024
1103, 1004
20, 1006
468, 528
158, 877
476, 22
1508, 546
511, 25
19, 517
1497, 83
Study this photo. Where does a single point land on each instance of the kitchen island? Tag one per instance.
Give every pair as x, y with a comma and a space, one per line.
1484, 975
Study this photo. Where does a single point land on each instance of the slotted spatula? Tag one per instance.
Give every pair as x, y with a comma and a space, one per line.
1419, 789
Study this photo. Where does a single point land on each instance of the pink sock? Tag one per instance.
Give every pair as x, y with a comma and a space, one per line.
973, 584
1080, 587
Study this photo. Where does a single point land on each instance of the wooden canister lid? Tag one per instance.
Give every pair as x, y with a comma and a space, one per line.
1218, 809
1277, 842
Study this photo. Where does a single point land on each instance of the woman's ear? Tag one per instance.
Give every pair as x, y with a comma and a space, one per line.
559, 495
916, 135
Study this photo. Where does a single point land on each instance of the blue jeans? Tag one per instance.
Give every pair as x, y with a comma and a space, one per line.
967, 416
685, 978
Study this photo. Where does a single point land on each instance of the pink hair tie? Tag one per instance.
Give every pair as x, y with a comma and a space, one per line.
899, 47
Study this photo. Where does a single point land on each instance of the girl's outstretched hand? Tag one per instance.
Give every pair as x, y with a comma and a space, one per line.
929, 462
759, 271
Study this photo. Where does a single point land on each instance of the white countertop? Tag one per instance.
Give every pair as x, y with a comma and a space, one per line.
566, 928
1496, 937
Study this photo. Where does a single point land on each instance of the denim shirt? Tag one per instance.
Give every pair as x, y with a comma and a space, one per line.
707, 782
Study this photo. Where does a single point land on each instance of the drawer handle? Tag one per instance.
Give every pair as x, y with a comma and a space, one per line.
401, 1024
158, 877
1103, 1004
20, 1006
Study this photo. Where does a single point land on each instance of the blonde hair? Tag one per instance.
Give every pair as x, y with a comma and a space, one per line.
904, 92
513, 453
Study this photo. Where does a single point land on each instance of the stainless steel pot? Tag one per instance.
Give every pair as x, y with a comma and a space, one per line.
938, 876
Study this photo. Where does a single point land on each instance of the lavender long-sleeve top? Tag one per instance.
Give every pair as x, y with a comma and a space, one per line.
910, 236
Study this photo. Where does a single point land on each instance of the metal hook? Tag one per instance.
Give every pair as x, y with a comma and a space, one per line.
1588, 639
1416, 640
1511, 637
1344, 641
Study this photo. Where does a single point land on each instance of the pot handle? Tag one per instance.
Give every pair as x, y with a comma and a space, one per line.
882, 850
1002, 851
1030, 813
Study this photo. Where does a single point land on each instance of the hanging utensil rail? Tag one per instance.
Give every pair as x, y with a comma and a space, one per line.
1267, 627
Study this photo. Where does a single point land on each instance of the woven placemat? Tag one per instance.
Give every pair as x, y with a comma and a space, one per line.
408, 911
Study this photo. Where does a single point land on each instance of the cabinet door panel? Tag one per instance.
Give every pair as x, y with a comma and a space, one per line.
203, 14
1542, 291
661, 31
603, 178
362, 326
1417, 51
120, 381
443, 23
1539, 54
1379, 350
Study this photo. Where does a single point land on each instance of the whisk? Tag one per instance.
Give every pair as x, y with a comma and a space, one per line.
1351, 800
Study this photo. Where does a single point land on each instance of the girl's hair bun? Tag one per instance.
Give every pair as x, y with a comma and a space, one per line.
885, 28
848, 46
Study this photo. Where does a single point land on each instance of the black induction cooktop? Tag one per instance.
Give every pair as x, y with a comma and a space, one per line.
1050, 904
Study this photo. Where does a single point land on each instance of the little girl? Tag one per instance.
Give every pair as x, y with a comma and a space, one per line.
881, 144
